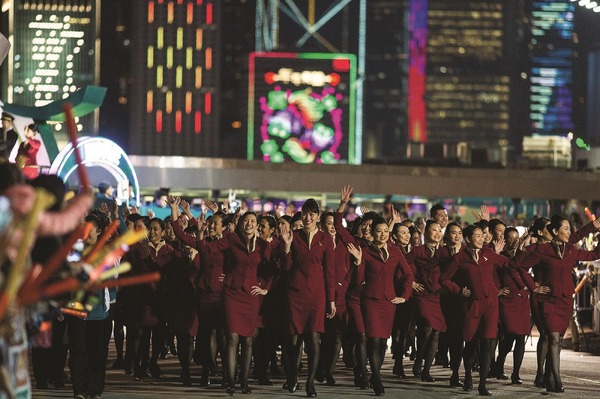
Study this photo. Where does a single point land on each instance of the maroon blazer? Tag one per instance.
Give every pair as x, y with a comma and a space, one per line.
311, 270
244, 262
342, 267
427, 268
382, 277
463, 271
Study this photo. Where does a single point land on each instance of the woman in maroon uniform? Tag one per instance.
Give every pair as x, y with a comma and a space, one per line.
425, 264
470, 275
514, 313
310, 262
242, 286
555, 261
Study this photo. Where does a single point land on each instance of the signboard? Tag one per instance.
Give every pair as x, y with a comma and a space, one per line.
302, 108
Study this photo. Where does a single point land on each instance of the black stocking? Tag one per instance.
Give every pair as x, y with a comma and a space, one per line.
430, 349
360, 354
185, 344
468, 354
456, 345
330, 357
485, 359
231, 349
375, 359
553, 359
313, 346
292, 355
542, 353
518, 354
504, 348
245, 360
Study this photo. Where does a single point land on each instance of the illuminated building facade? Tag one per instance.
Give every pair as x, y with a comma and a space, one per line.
175, 72
552, 55
467, 75
55, 52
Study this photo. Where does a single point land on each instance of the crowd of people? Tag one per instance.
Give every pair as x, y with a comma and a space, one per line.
228, 278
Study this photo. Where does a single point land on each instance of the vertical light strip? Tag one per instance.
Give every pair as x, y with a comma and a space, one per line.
159, 76
179, 38
198, 78
189, 58
188, 102
160, 37
170, 12
207, 103
417, 71
170, 57
197, 122
149, 101
150, 12
150, 60
179, 77
209, 14
190, 13
208, 59
177, 121
169, 102
199, 39
159, 121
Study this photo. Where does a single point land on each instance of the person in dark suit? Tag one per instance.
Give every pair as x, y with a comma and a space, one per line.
9, 137
555, 261
309, 260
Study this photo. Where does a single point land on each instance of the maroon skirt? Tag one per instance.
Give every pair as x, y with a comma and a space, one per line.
514, 315
379, 317
241, 312
209, 307
339, 323
356, 322
536, 312
306, 312
556, 314
429, 311
404, 315
481, 317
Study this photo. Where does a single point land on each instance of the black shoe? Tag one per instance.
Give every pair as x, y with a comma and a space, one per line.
468, 385
377, 386
173, 349
186, 378
293, 387
128, 371
416, 370
556, 388
320, 376
230, 390
399, 370
501, 376
329, 380
264, 380
426, 377
483, 391
118, 364
164, 353
515, 379
204, 380
539, 382
154, 369
455, 382
310, 391
246, 389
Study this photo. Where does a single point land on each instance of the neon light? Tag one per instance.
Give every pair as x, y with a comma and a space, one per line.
188, 102
169, 57
209, 14
197, 122
149, 101
208, 59
198, 2
179, 38
417, 109
159, 121
179, 1
198, 39
207, 103
150, 12
179, 77
159, 76
189, 58
160, 37
150, 57
169, 102
178, 121
170, 12
190, 13
198, 77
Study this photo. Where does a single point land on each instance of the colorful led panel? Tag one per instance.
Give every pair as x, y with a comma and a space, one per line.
302, 107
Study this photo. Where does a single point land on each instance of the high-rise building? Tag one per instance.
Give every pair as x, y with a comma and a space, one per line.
55, 52
175, 71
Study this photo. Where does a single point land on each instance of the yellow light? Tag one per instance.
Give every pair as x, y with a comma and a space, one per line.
208, 60
198, 39
169, 101
149, 101
236, 124
189, 58
150, 56
179, 77
179, 38
188, 102
160, 37
198, 77
159, 76
170, 57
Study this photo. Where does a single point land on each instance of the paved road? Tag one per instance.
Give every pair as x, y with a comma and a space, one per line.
581, 378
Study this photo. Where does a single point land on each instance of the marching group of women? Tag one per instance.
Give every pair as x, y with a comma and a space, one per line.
226, 284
